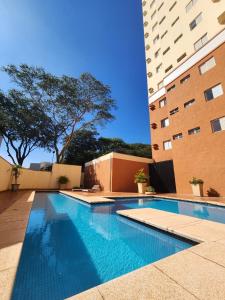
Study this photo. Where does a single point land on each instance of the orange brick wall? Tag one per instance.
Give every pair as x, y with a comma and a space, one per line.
201, 155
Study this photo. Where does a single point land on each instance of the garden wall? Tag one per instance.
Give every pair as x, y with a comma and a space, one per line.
30, 179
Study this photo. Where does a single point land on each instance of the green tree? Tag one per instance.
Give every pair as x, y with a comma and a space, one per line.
21, 125
86, 146
83, 148
68, 104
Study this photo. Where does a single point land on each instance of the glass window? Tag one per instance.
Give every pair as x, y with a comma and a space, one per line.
167, 145
190, 5
201, 42
213, 92
174, 111
194, 130
189, 103
206, 66
218, 124
158, 68
165, 122
195, 22
160, 84
185, 79
173, 6
178, 136
162, 103
156, 39
171, 88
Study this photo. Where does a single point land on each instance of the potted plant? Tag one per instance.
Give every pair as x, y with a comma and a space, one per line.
141, 179
150, 190
16, 173
62, 181
197, 186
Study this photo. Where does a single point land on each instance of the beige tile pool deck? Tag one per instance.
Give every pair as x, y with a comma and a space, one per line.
195, 273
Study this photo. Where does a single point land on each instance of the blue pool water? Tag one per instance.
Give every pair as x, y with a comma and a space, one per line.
71, 246
198, 210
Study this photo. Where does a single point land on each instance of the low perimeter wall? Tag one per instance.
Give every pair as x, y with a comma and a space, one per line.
30, 179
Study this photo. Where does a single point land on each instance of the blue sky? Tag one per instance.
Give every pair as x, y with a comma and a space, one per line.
104, 37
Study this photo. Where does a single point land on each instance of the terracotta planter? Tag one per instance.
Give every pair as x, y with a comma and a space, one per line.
63, 186
15, 187
197, 189
141, 187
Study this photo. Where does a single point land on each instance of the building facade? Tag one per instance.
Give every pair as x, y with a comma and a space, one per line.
185, 59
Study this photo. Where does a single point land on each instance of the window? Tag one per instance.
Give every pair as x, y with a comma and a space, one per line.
145, 23
152, 16
160, 84
167, 49
174, 111
154, 26
189, 103
169, 68
160, 22
206, 66
181, 57
213, 92
190, 5
145, 13
152, 3
162, 36
161, 6
171, 88
173, 6
178, 38
158, 68
185, 79
156, 39
157, 53
167, 145
148, 60
201, 42
175, 21
162, 103
177, 136
194, 130
195, 22
165, 122
218, 124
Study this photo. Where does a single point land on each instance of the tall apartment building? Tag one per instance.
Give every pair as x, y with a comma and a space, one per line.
185, 59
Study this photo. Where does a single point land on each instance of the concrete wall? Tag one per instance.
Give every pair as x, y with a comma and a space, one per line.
115, 172
30, 179
5, 174
123, 174
201, 155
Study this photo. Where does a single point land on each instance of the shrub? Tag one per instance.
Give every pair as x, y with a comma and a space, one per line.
140, 177
63, 180
196, 181
150, 189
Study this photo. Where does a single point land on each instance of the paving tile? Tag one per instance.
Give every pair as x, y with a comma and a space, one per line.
6, 283
9, 256
213, 251
201, 277
147, 283
92, 294
202, 231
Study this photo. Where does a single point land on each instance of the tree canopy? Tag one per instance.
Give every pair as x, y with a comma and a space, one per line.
47, 111
87, 146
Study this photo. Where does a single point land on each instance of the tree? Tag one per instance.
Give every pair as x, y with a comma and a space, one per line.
68, 104
21, 125
83, 148
86, 146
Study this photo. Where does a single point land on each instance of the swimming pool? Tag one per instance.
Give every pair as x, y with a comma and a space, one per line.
71, 246
194, 209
